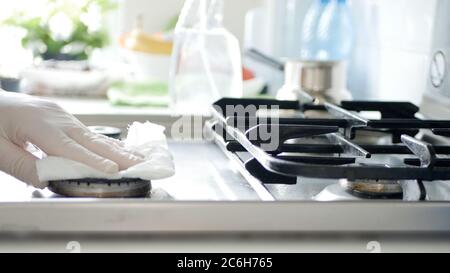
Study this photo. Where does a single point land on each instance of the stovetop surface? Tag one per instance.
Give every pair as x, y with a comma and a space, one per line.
203, 173
318, 146
209, 194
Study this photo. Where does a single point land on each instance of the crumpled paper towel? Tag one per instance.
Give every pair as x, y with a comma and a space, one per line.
146, 138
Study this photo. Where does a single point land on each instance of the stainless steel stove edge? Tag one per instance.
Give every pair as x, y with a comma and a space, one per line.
138, 216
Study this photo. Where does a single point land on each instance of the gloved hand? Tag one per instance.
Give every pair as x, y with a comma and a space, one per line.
25, 119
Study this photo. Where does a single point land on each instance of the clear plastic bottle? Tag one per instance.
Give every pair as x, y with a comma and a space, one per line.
309, 39
335, 32
328, 39
327, 32
206, 59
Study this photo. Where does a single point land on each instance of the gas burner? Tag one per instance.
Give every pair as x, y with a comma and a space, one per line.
373, 189
335, 192
101, 188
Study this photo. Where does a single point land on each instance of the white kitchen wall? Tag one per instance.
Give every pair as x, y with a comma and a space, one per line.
156, 13
393, 48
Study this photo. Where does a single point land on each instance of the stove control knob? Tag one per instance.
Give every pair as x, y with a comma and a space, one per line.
438, 69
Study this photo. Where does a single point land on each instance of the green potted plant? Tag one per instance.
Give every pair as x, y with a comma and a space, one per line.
69, 29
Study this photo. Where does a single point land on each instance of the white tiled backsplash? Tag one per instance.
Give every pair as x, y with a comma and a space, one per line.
393, 46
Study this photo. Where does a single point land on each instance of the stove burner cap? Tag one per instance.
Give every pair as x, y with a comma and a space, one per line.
373, 189
101, 188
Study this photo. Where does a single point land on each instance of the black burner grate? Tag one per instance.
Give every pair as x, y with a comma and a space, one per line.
328, 147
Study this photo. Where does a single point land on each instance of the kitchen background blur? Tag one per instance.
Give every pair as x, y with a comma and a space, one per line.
113, 62
389, 60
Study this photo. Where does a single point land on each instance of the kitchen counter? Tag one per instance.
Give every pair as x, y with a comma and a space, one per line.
99, 111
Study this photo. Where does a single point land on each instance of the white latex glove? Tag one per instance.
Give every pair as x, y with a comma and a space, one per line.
25, 119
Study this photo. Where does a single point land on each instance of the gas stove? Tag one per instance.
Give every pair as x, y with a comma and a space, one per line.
211, 194
358, 150
349, 170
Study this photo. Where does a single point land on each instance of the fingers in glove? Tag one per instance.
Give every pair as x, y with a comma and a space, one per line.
57, 143
19, 163
106, 148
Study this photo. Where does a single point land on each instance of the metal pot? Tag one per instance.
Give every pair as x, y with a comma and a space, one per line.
323, 80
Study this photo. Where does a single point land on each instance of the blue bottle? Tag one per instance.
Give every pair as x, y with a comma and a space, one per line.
328, 31
309, 44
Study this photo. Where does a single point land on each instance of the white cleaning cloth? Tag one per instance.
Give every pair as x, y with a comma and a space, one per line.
147, 139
